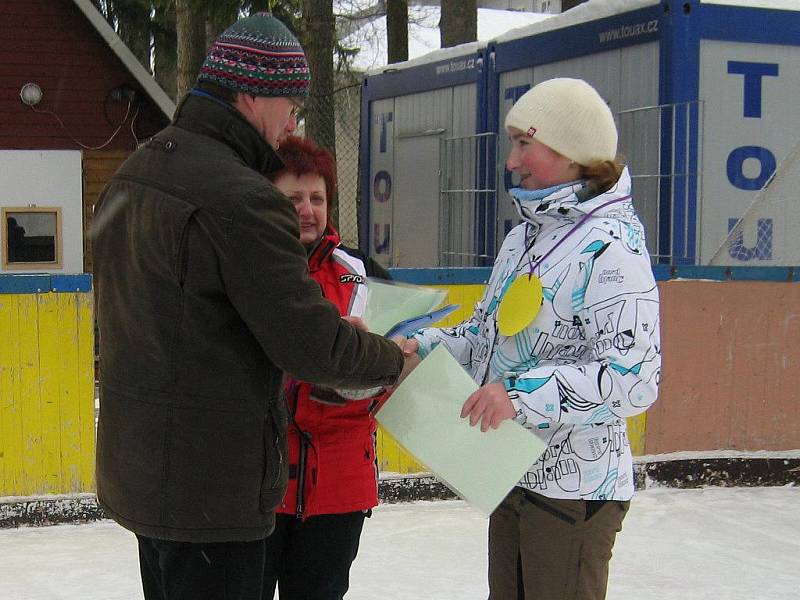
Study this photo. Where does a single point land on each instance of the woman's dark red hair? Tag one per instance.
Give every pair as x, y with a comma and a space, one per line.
303, 156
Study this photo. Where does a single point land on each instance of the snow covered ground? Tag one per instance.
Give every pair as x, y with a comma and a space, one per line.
718, 543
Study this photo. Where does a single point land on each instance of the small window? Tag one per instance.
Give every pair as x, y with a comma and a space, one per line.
31, 237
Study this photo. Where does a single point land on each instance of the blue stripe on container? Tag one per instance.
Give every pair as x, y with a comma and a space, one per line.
749, 24
43, 283
480, 275
449, 72
442, 276
579, 40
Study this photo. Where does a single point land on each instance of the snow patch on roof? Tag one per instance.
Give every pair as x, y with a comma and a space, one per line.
599, 9
589, 11
423, 36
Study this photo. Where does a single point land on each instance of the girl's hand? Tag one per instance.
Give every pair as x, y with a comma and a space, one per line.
490, 405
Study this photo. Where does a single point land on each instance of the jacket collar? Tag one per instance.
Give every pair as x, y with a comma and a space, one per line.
206, 114
323, 248
566, 202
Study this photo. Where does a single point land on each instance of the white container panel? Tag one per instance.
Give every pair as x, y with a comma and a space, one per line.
752, 122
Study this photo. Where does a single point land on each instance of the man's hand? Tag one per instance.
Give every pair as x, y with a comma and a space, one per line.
490, 405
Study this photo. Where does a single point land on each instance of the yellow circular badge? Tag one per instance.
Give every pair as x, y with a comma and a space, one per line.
520, 304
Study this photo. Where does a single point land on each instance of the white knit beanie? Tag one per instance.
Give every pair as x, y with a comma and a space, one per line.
569, 116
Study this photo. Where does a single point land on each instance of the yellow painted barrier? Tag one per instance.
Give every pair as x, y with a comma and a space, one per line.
47, 432
392, 458
637, 427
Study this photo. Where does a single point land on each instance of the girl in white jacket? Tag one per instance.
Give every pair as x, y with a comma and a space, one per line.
566, 342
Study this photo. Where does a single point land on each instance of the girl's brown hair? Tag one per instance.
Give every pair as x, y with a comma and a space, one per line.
602, 175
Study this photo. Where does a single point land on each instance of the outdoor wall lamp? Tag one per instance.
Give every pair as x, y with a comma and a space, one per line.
31, 94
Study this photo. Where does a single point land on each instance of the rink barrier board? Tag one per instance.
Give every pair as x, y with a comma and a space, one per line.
731, 367
735, 394
777, 469
47, 436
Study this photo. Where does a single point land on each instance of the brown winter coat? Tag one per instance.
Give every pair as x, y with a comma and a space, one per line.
204, 301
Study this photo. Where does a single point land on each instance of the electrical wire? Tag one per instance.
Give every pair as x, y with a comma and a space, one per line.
84, 146
133, 122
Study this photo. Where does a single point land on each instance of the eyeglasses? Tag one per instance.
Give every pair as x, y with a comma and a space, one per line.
297, 106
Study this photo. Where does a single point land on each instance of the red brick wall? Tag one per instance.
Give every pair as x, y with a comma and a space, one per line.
51, 42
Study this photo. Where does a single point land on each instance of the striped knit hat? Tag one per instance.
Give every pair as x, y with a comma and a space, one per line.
259, 56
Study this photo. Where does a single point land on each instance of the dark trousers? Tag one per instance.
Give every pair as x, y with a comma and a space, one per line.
310, 560
546, 549
184, 571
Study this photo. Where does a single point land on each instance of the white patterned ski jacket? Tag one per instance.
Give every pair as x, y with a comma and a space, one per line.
592, 355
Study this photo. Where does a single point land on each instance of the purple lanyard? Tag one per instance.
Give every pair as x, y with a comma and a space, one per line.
571, 231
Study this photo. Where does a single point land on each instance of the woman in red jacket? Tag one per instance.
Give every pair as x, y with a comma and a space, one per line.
332, 467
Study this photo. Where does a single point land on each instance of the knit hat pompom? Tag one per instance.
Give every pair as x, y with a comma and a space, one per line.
258, 55
569, 116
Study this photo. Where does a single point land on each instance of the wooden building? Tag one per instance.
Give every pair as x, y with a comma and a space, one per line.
74, 102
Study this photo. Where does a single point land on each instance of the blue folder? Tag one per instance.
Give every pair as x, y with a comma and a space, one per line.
409, 326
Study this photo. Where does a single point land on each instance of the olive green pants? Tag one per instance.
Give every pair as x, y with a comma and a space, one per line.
546, 549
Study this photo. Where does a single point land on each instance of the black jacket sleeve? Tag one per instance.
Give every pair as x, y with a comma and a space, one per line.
266, 275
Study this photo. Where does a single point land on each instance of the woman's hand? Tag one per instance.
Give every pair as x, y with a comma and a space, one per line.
408, 346
490, 405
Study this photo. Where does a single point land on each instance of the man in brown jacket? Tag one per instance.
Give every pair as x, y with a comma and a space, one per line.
204, 301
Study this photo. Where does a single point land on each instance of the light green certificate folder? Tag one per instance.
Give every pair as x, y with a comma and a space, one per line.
390, 302
423, 416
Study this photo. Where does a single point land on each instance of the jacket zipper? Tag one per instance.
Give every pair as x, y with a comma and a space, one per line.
271, 425
301, 472
319, 254
277, 443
